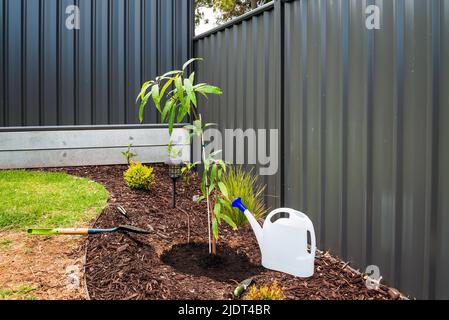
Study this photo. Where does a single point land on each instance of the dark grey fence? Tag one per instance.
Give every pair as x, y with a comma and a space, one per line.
52, 75
363, 116
244, 61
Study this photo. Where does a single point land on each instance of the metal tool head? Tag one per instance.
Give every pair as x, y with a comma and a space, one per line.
133, 229
123, 212
247, 282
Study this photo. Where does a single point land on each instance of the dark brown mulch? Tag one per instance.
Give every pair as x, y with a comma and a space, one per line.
164, 265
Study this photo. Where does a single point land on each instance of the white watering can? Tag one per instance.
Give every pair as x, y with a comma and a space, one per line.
283, 240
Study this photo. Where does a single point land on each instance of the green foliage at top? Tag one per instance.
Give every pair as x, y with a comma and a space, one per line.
272, 292
46, 199
139, 176
228, 9
244, 184
177, 92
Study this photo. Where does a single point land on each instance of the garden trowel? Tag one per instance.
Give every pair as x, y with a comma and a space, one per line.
243, 286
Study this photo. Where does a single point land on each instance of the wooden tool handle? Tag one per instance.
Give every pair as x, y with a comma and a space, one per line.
73, 231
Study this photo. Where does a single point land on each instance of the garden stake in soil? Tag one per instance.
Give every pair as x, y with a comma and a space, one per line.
86, 231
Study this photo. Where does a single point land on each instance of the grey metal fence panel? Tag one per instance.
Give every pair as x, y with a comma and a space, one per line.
242, 61
366, 145
51, 75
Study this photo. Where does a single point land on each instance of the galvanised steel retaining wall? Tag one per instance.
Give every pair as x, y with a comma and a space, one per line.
363, 118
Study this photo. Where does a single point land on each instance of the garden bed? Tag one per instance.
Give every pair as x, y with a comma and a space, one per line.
171, 264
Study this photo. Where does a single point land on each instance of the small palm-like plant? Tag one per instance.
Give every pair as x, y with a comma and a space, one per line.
246, 185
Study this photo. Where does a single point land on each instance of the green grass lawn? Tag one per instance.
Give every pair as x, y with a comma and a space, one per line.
45, 199
20, 293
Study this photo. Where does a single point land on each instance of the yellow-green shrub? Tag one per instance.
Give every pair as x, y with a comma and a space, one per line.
139, 176
273, 292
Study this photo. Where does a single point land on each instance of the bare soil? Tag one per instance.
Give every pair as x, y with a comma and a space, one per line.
46, 267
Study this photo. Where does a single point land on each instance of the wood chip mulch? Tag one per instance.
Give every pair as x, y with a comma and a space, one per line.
165, 265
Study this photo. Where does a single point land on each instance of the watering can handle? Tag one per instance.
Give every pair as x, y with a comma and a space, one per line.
312, 241
301, 216
286, 210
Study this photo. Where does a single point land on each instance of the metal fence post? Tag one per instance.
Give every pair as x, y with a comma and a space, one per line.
279, 56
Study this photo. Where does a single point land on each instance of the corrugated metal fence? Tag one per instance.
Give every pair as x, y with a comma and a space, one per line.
363, 117
54, 75
243, 60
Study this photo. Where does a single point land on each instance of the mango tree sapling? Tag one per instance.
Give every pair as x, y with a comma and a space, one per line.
179, 94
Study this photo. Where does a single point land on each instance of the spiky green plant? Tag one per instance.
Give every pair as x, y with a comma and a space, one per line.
244, 184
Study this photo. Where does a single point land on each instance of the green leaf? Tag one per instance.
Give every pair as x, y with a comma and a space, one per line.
156, 97
167, 109
217, 211
143, 91
210, 89
171, 120
211, 189
213, 174
141, 110
190, 127
179, 90
215, 153
225, 204
200, 199
171, 73
189, 90
199, 85
223, 189
192, 77
165, 87
222, 164
184, 67
182, 114
203, 183
197, 123
198, 127
203, 94
215, 228
229, 221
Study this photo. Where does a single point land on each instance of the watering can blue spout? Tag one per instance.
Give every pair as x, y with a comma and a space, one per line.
237, 203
